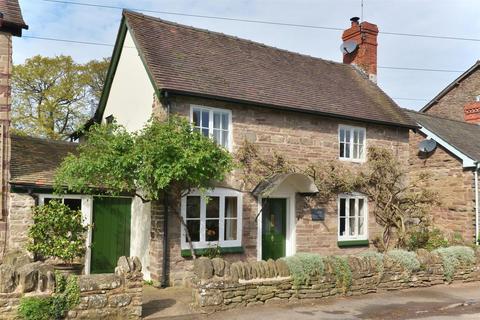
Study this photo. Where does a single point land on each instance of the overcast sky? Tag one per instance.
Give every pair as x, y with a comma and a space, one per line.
458, 18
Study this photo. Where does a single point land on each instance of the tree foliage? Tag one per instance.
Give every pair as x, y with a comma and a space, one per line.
163, 156
53, 97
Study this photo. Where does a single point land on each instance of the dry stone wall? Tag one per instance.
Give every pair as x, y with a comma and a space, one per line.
220, 285
110, 296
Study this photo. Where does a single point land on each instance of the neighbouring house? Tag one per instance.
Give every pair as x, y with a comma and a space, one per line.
234, 90
28, 175
446, 149
460, 100
451, 119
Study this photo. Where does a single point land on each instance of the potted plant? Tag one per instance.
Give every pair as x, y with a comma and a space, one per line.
58, 232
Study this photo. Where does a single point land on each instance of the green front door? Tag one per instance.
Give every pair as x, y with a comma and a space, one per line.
274, 228
111, 233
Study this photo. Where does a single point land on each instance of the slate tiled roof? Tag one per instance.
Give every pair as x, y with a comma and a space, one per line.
184, 59
34, 160
12, 14
463, 136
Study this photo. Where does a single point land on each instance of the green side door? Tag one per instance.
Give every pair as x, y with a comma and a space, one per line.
111, 233
274, 228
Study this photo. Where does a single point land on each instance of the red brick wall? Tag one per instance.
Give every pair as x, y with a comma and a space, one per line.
455, 186
303, 139
451, 105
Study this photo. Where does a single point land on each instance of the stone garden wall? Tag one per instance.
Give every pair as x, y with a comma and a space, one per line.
110, 296
220, 285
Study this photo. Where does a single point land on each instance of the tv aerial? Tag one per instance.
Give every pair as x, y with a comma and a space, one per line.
427, 145
348, 47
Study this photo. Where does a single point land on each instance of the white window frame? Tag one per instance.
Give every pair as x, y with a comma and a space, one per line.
347, 197
221, 193
210, 120
87, 216
351, 143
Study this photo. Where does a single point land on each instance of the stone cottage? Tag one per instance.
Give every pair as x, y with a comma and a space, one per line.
452, 163
234, 90
451, 119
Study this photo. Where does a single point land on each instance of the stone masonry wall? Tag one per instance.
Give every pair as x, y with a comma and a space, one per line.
110, 296
454, 184
19, 219
451, 105
303, 139
263, 282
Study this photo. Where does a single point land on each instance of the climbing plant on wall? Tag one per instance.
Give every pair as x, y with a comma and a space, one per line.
397, 199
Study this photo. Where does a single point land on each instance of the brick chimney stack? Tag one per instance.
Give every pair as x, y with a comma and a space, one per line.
364, 34
11, 24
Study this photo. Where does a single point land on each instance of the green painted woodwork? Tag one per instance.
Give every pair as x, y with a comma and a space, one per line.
274, 228
352, 243
201, 252
111, 233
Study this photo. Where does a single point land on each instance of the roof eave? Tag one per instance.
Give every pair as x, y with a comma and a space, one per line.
331, 115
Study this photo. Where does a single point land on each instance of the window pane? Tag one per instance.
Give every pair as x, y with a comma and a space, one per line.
362, 137
347, 136
342, 135
196, 117
347, 150
225, 139
225, 121
360, 151
342, 207
211, 230
205, 118
213, 208
205, 132
352, 207
231, 229
47, 200
216, 120
342, 226
361, 228
352, 226
74, 204
193, 207
355, 136
216, 135
355, 151
342, 150
230, 207
193, 227
360, 207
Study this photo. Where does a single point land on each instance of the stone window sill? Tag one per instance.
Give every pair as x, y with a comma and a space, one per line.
201, 252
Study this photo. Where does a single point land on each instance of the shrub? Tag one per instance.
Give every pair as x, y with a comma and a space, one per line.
427, 239
408, 260
343, 273
65, 298
57, 232
454, 256
303, 266
35, 308
378, 259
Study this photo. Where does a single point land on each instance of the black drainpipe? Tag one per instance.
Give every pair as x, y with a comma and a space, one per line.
165, 280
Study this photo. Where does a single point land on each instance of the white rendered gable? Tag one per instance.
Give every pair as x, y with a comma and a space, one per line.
131, 95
